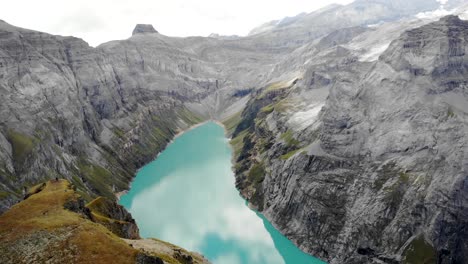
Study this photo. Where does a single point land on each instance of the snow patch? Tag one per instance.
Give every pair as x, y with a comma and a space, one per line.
376, 25
434, 14
464, 15
303, 119
374, 52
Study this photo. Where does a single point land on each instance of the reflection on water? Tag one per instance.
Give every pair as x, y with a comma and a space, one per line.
187, 197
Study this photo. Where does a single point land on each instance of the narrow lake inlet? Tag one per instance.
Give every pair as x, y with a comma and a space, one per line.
187, 196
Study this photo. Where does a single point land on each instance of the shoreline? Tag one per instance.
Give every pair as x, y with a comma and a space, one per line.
118, 195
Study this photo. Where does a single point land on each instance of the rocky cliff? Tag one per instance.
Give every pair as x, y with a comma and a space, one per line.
349, 137
94, 116
364, 162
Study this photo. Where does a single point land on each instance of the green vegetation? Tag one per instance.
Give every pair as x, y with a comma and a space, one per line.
161, 134
257, 173
387, 172
97, 176
4, 195
22, 146
101, 210
35, 189
289, 139
274, 87
268, 109
450, 113
189, 117
119, 132
404, 177
237, 143
280, 106
231, 123
289, 154
419, 251
173, 259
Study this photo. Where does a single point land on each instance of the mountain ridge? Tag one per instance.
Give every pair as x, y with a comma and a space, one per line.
353, 185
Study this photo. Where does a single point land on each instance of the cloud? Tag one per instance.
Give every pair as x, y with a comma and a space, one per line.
193, 203
202, 206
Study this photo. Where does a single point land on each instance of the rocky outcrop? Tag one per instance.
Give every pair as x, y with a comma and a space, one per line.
113, 216
53, 225
95, 115
143, 29
168, 252
376, 175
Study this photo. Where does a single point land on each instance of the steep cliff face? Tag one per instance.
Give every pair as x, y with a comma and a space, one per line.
95, 115
376, 172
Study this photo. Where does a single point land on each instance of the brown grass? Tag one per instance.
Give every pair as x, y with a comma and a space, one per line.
44, 212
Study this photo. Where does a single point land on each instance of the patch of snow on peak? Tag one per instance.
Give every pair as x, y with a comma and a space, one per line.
375, 25
435, 14
464, 15
442, 2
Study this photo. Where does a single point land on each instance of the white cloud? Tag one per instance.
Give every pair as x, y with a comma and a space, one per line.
195, 219
442, 2
104, 20
432, 15
228, 259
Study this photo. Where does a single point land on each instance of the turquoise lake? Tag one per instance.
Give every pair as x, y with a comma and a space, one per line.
187, 197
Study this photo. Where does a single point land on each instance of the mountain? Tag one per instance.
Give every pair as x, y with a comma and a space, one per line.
304, 27
93, 115
347, 123
362, 162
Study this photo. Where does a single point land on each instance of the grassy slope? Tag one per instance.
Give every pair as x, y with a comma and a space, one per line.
40, 230
68, 236
126, 151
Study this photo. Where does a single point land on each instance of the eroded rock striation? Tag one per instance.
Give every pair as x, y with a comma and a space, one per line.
376, 172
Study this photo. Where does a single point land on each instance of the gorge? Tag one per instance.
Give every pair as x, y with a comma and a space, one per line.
187, 197
348, 126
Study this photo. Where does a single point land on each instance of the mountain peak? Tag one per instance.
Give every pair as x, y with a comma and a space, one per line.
144, 29
451, 19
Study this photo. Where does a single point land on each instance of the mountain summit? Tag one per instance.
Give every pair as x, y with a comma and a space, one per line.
144, 29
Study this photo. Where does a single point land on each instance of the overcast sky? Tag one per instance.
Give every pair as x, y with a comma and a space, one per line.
98, 21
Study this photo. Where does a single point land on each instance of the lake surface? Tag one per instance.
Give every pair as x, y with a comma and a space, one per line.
187, 197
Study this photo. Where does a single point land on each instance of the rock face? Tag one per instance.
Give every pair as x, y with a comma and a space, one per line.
376, 172
94, 116
114, 217
143, 29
